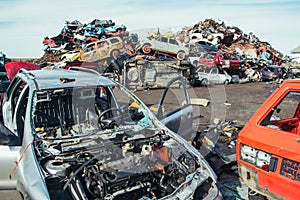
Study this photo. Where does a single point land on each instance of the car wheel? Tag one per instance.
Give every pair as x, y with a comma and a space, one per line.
146, 49
180, 55
226, 82
114, 53
186, 39
192, 82
133, 74
205, 82
195, 63
103, 36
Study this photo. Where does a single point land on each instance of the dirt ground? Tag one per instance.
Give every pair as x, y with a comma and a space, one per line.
227, 102
233, 102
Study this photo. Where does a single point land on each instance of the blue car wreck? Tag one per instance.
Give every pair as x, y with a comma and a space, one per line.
103, 32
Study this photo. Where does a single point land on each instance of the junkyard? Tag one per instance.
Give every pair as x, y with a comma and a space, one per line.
207, 112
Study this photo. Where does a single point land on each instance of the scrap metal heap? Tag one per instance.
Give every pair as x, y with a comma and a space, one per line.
79, 42
231, 38
76, 35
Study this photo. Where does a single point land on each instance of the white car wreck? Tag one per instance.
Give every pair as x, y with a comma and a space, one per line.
212, 75
78, 135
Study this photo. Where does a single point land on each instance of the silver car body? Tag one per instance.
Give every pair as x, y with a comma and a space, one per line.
77, 135
213, 75
166, 45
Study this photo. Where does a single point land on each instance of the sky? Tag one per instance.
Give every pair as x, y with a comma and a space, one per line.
24, 23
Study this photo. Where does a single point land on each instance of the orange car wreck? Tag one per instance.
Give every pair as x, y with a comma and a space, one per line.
268, 146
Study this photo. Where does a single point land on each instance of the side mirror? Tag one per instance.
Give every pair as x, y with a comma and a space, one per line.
7, 137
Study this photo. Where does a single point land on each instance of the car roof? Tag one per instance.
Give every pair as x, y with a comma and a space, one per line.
103, 40
57, 79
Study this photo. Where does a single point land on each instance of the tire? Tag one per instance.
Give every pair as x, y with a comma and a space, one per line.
114, 53
186, 39
146, 49
192, 82
103, 36
205, 82
195, 63
181, 55
226, 82
133, 74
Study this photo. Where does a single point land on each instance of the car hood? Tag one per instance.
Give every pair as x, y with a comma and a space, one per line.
12, 68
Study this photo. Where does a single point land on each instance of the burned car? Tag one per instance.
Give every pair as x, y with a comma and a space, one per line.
83, 136
108, 48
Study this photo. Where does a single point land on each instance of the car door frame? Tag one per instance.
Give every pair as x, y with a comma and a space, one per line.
173, 48
179, 120
214, 77
8, 110
10, 146
10, 149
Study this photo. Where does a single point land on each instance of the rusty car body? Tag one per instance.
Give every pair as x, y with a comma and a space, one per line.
151, 72
108, 48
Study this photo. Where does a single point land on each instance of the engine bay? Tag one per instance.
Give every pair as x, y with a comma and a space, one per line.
117, 155
116, 164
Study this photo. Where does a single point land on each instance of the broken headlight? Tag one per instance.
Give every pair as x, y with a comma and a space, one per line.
260, 159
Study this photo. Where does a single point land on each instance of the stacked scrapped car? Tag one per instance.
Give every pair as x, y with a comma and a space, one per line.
164, 44
102, 29
108, 48
83, 136
221, 59
141, 72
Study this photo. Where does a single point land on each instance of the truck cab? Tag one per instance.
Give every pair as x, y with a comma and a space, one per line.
268, 146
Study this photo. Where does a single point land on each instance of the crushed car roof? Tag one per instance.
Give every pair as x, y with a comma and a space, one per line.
47, 79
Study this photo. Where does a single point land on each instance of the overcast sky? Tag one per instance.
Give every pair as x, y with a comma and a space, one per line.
24, 23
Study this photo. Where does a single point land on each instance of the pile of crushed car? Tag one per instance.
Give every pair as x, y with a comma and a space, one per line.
146, 62
76, 35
